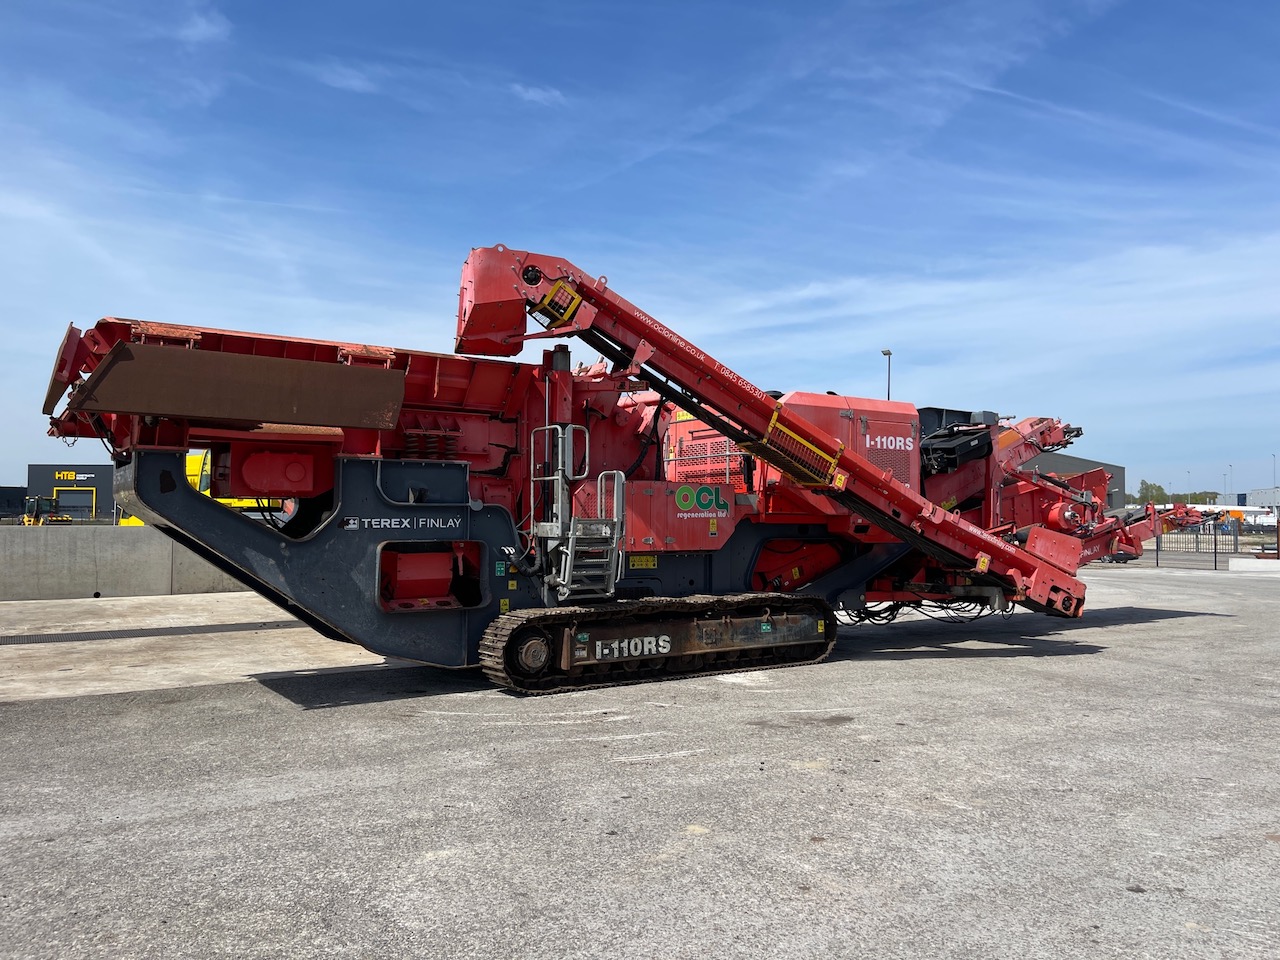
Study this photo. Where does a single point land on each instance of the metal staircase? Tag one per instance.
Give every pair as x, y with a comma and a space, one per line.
583, 554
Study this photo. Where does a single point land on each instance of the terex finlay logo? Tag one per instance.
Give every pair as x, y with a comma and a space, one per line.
401, 523
71, 475
704, 501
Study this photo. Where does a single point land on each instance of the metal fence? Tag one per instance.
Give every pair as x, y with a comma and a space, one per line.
1207, 539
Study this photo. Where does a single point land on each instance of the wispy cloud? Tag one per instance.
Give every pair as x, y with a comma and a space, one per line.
1172, 143
1155, 292
42, 112
904, 93
546, 96
203, 24
1217, 116
197, 91
345, 76
845, 96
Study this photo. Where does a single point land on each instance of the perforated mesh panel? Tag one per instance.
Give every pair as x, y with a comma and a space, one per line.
711, 461
899, 461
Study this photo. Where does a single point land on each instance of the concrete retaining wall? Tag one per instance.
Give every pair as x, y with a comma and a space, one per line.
1255, 565
73, 562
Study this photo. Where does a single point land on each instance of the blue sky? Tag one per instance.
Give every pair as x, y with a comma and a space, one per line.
1042, 208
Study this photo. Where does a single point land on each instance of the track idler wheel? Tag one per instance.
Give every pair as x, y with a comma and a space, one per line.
529, 653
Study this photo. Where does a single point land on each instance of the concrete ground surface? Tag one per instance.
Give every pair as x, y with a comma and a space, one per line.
199, 777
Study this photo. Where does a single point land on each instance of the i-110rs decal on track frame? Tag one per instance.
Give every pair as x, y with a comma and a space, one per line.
633, 647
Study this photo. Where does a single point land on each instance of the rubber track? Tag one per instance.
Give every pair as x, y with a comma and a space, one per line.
493, 644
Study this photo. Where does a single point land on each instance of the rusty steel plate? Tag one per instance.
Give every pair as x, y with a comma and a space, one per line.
166, 381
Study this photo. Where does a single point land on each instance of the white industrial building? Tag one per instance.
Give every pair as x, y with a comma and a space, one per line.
1264, 497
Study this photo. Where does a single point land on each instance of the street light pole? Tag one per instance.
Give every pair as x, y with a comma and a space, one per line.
888, 374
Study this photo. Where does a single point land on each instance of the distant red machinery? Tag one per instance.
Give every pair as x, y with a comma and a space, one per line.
654, 514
